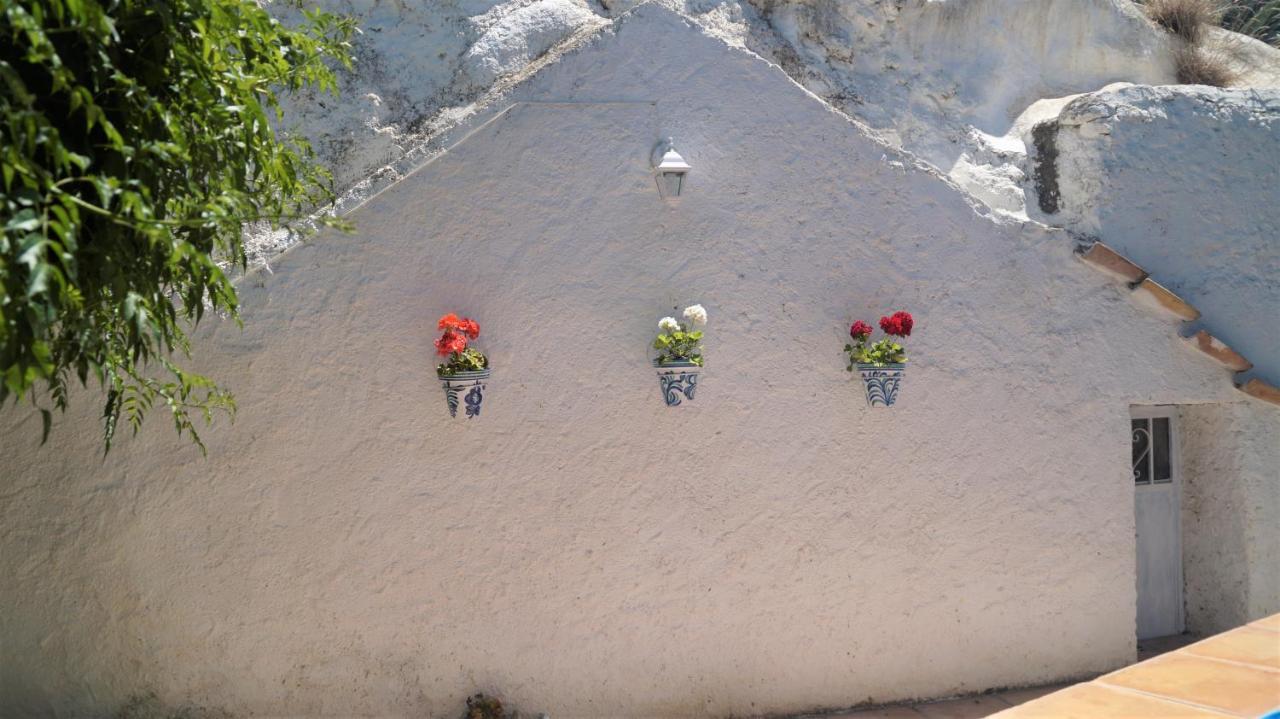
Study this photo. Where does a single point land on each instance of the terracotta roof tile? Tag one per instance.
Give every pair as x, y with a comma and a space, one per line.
1167, 300
1219, 351
1261, 390
1111, 262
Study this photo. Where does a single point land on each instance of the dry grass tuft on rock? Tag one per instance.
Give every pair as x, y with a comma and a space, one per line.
1188, 19
1197, 66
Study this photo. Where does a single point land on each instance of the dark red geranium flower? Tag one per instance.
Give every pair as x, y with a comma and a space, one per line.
860, 330
449, 343
905, 322
469, 327
898, 324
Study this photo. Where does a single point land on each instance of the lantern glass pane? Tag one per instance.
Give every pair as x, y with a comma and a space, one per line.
672, 183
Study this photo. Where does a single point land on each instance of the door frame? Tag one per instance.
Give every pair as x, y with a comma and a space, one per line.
1175, 486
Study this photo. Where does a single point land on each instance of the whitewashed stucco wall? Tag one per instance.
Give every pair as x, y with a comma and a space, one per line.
1186, 182
580, 548
1231, 497
1183, 181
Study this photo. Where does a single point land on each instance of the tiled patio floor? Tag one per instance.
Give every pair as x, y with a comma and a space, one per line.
1234, 674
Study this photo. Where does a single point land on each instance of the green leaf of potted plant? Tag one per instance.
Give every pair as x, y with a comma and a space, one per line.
679, 359
465, 370
882, 363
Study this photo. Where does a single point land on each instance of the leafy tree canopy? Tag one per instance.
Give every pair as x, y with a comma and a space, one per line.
138, 137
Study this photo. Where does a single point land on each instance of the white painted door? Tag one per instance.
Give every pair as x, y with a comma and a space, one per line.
1159, 522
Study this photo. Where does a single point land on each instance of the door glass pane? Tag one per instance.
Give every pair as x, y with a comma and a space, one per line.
1141, 451
1161, 471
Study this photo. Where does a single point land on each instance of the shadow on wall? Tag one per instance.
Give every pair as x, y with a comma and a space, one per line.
1229, 498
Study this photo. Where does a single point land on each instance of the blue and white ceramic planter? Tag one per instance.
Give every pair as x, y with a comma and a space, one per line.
469, 386
679, 381
882, 382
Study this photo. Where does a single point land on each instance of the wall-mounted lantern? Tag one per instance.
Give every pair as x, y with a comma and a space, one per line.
670, 169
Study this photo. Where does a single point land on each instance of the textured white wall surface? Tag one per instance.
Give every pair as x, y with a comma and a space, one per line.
1184, 180
580, 548
1231, 501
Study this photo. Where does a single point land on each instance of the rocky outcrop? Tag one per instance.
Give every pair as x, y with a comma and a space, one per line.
1182, 180
951, 81
418, 67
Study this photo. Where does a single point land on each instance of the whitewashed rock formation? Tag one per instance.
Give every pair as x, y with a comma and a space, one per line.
418, 67
946, 80
1186, 181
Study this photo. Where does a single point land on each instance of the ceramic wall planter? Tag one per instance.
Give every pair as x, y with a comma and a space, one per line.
469, 386
678, 380
882, 382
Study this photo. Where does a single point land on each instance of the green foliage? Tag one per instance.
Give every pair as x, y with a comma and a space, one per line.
680, 345
468, 360
1257, 18
137, 139
879, 353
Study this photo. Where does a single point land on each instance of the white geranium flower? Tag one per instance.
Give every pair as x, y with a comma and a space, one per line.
668, 324
696, 315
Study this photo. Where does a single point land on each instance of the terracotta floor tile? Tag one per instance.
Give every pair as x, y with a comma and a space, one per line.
1231, 675
1272, 622
1092, 701
969, 708
1246, 644
1231, 687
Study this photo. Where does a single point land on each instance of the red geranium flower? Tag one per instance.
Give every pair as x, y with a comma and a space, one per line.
469, 327
449, 322
905, 321
450, 342
860, 330
898, 324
